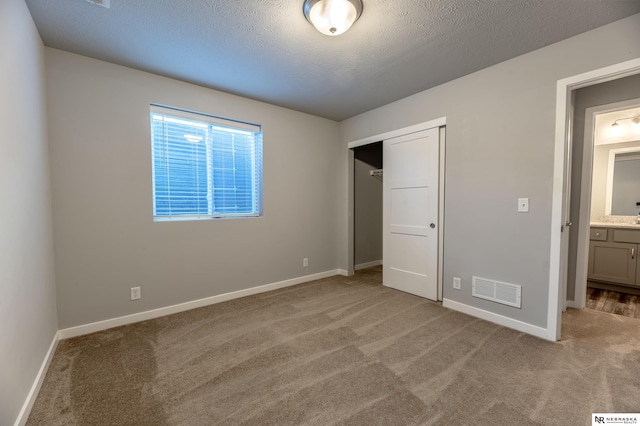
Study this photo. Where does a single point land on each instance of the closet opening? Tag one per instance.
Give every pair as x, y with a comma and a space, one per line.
368, 175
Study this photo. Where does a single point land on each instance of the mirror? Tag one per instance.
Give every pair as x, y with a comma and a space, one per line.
624, 196
616, 179
616, 164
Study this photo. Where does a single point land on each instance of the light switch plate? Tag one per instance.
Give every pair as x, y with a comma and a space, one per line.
523, 205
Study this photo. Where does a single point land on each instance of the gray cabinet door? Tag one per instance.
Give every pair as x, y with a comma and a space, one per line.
612, 262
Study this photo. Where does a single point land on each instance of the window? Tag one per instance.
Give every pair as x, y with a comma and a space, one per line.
204, 166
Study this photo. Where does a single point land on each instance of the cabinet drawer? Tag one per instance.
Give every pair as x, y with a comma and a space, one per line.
626, 236
598, 234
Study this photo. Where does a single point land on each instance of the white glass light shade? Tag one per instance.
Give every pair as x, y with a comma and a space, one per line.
332, 17
193, 138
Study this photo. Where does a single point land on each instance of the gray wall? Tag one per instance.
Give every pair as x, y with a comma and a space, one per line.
626, 186
28, 321
368, 215
600, 94
500, 145
600, 169
105, 238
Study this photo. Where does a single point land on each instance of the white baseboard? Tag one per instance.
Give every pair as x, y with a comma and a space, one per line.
37, 383
573, 304
181, 307
343, 272
367, 265
524, 327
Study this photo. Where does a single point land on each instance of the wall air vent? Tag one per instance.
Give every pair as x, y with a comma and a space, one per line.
103, 3
505, 293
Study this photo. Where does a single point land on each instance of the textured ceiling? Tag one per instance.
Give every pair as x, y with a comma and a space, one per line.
266, 50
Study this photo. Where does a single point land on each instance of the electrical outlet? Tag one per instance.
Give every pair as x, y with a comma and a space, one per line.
305, 262
456, 283
135, 293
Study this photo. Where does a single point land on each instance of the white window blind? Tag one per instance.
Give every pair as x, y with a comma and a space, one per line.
204, 166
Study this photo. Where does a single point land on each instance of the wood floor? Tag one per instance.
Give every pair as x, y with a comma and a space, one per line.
613, 302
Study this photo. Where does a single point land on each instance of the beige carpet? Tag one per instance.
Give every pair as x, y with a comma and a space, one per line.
341, 351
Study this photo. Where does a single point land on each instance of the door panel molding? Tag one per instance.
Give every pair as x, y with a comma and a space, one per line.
410, 199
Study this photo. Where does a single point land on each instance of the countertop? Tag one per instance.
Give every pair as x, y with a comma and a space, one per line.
623, 222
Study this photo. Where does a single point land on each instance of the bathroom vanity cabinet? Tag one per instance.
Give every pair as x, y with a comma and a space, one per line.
613, 256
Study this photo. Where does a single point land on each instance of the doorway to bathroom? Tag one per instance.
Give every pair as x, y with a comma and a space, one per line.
603, 272
562, 260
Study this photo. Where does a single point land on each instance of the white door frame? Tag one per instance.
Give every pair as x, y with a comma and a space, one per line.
439, 122
558, 253
582, 256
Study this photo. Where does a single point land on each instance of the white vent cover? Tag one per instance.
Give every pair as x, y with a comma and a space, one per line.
505, 293
103, 3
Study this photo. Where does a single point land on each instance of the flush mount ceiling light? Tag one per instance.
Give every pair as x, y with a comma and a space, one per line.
332, 17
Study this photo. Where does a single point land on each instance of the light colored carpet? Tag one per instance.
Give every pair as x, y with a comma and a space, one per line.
341, 351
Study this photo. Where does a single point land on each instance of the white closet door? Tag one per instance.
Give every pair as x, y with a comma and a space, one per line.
410, 198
